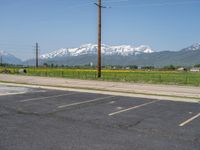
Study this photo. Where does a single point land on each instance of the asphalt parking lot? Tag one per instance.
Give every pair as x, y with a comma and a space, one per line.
40, 119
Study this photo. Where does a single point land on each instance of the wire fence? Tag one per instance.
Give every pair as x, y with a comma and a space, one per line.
141, 76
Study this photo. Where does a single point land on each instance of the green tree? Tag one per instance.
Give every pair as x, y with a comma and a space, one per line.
170, 67
197, 65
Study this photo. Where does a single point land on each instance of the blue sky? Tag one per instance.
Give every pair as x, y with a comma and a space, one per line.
161, 24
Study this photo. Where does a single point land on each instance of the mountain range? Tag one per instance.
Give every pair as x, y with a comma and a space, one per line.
116, 55
9, 58
91, 49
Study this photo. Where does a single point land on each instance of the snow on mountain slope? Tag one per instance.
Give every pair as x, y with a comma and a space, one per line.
124, 50
193, 47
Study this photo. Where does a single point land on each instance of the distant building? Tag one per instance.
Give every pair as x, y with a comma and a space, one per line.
181, 69
91, 64
195, 69
114, 67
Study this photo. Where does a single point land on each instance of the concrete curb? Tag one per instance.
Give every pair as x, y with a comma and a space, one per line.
100, 91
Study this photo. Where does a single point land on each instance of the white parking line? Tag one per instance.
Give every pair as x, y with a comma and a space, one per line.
131, 108
41, 91
42, 98
16, 93
189, 120
89, 101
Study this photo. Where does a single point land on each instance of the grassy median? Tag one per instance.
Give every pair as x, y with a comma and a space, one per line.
141, 76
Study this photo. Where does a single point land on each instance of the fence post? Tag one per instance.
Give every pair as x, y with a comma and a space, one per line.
186, 80
160, 78
62, 74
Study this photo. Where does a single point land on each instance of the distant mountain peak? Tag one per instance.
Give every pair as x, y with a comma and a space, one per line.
193, 47
142, 55
3, 53
9, 58
89, 49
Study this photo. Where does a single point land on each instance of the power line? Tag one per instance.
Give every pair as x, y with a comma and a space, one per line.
80, 5
7, 44
114, 1
159, 4
1, 60
76, 6
90, 3
14, 48
14, 45
36, 55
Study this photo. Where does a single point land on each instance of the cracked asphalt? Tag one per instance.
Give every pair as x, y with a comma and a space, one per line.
41, 119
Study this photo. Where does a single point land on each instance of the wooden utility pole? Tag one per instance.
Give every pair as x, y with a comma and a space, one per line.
99, 40
36, 56
1, 60
99, 37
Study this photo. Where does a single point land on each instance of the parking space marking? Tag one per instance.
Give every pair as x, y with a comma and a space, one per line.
42, 98
131, 108
18, 93
14, 93
189, 120
89, 101
40, 91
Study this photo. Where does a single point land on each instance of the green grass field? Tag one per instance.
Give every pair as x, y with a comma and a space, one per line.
141, 76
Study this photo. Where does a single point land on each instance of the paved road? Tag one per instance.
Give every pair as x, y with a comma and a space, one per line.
61, 120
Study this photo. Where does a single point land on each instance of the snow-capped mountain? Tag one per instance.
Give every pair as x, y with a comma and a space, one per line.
122, 55
9, 58
193, 47
90, 49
